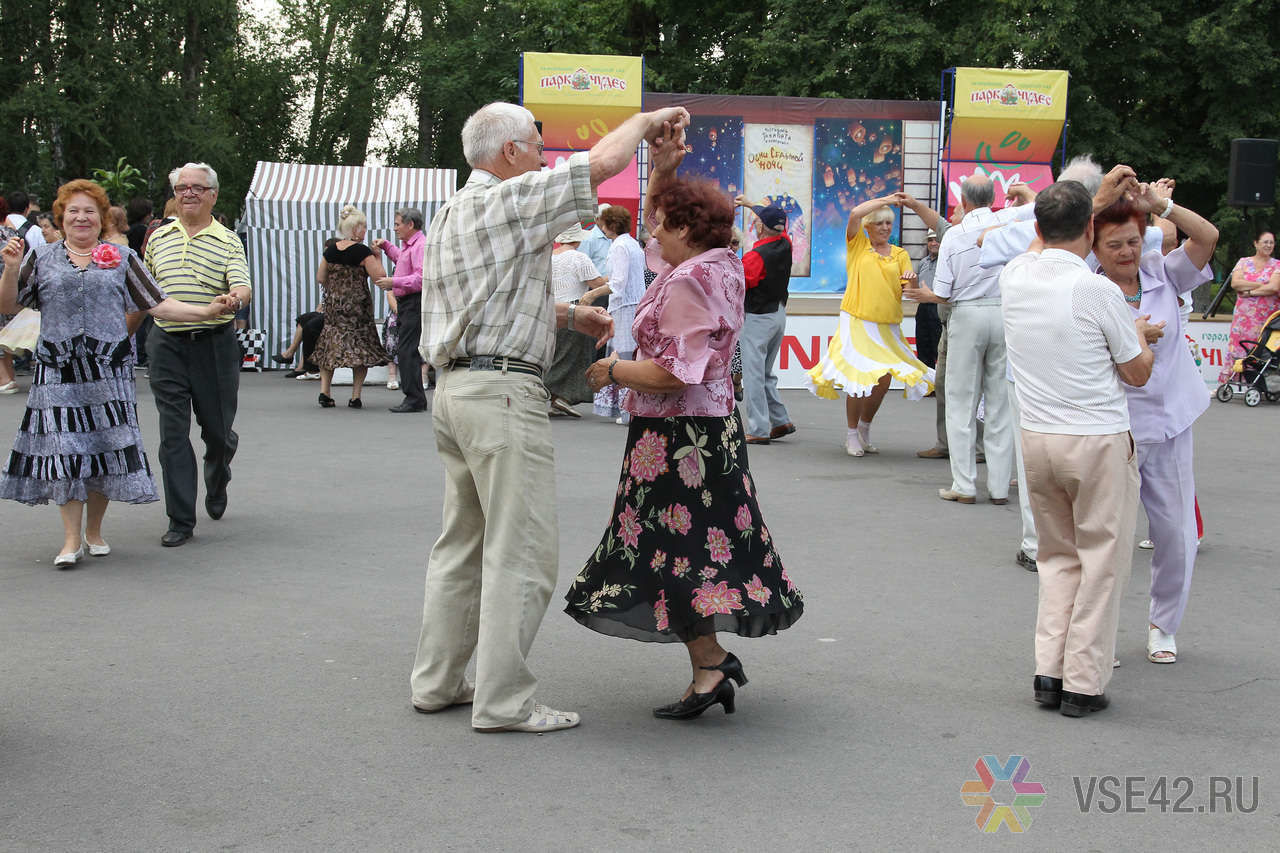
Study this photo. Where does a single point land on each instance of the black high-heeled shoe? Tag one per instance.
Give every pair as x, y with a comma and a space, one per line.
279, 358
732, 668
696, 703
326, 402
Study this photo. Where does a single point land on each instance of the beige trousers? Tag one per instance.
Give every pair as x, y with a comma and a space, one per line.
1084, 496
493, 569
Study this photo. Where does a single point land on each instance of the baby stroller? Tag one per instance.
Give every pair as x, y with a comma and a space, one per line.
1258, 373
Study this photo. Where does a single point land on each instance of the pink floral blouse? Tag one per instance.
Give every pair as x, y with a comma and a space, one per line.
688, 322
1251, 311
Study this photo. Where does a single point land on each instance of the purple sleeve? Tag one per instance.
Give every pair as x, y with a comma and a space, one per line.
1179, 271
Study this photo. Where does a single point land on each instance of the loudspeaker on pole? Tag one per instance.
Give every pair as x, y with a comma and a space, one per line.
1252, 179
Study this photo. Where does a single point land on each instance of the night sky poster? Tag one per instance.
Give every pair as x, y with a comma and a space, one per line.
714, 145
854, 160
779, 171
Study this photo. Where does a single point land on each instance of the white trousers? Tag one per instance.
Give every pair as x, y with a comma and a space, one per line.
493, 569
1169, 496
976, 368
1030, 543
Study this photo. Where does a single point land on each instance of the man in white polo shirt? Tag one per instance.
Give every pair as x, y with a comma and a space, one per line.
1071, 342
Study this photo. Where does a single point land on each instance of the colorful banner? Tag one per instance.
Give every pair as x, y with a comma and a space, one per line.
580, 98
1034, 175
778, 169
1007, 117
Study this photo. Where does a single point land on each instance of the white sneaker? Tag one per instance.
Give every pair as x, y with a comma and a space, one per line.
540, 719
1146, 544
393, 385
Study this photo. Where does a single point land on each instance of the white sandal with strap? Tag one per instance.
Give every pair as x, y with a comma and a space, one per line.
541, 719
1160, 646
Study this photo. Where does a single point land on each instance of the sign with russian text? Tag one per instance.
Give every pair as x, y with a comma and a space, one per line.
778, 169
580, 98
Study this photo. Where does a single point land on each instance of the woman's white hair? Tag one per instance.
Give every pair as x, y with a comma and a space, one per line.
211, 177
349, 220
491, 127
883, 214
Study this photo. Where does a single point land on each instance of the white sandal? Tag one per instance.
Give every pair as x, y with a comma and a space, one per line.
853, 445
541, 719
1160, 646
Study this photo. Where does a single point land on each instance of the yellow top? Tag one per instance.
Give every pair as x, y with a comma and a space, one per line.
196, 269
874, 291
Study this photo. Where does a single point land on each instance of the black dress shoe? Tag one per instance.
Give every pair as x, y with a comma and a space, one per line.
279, 358
326, 402
293, 374
405, 408
696, 703
1048, 690
1079, 704
174, 538
216, 503
354, 403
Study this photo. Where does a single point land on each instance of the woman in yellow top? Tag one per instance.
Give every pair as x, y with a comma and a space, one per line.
868, 348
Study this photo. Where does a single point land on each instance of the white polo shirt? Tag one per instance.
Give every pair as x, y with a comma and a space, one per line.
1065, 330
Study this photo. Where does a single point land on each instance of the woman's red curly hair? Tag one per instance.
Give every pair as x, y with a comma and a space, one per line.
1119, 212
80, 185
700, 206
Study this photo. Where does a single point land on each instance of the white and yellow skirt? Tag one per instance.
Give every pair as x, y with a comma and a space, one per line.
20, 334
860, 353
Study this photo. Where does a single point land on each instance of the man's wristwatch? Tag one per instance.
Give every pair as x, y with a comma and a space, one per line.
572, 307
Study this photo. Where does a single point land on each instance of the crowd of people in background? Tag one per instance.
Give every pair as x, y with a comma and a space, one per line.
1048, 331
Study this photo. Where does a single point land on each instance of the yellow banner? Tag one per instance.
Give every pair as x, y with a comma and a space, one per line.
594, 81
998, 93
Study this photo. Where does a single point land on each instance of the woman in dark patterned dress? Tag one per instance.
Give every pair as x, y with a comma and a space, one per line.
687, 553
79, 444
350, 337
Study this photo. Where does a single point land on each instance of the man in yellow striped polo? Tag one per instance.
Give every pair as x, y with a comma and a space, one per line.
195, 367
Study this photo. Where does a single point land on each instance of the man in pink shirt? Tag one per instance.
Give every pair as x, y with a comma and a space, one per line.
406, 286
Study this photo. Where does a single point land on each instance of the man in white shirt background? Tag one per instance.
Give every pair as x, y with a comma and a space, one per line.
20, 205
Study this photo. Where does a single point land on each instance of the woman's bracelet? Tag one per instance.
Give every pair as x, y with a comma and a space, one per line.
612, 381
572, 307
1167, 210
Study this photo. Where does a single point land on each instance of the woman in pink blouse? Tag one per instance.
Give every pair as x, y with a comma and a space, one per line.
1256, 282
687, 553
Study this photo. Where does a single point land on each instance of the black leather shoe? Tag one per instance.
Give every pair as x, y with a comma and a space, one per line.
1048, 690
1027, 563
1079, 704
405, 408
732, 668
326, 402
293, 374
174, 538
354, 403
687, 709
216, 503
279, 358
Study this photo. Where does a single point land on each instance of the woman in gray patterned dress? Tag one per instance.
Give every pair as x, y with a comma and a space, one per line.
79, 444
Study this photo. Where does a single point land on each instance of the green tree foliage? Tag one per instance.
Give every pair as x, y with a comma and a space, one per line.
1163, 88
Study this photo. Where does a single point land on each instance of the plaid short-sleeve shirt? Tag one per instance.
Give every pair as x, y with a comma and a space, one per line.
486, 282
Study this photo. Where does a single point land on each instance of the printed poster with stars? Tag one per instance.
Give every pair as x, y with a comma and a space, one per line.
778, 169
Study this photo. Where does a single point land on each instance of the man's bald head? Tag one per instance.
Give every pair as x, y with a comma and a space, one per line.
977, 191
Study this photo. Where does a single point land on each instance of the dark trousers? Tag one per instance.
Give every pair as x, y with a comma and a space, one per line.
312, 324
140, 340
201, 376
928, 333
408, 360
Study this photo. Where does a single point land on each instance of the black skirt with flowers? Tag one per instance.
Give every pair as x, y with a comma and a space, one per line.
687, 552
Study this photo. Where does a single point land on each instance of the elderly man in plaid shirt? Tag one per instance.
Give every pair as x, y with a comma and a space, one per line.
489, 325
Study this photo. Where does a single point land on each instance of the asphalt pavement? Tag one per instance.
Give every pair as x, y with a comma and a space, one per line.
249, 690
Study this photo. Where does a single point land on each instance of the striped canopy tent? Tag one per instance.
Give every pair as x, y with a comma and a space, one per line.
292, 208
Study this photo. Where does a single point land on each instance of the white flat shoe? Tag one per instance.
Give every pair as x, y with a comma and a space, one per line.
69, 559
1160, 647
1146, 545
393, 385
99, 550
853, 446
541, 719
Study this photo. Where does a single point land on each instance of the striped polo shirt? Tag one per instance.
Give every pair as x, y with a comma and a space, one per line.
196, 269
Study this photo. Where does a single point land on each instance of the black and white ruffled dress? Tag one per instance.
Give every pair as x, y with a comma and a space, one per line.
80, 433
